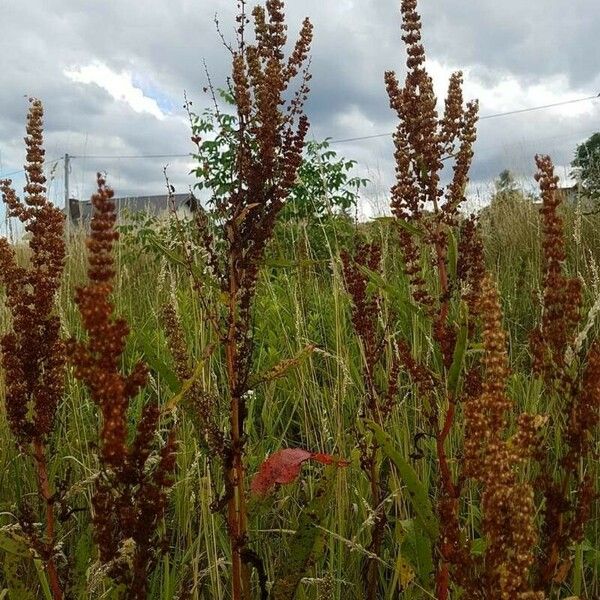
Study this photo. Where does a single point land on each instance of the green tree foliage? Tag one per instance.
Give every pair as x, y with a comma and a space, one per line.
586, 165
506, 183
324, 185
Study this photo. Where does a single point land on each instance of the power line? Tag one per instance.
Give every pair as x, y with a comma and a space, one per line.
115, 156
53, 162
541, 107
340, 141
483, 118
102, 156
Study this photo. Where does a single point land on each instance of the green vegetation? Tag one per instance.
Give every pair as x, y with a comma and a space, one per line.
586, 165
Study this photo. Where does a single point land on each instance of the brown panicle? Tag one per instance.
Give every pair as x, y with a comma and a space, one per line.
271, 129
367, 316
561, 294
568, 490
365, 309
423, 141
32, 353
492, 458
131, 493
427, 216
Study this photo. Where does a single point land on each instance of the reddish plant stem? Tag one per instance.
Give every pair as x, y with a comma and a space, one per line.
445, 474
236, 504
442, 582
448, 487
41, 467
449, 490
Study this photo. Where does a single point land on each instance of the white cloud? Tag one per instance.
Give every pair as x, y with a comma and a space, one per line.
119, 85
510, 92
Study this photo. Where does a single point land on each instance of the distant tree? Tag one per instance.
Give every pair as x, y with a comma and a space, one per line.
586, 165
507, 190
506, 183
509, 198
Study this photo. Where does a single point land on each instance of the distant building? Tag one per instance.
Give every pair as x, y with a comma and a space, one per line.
570, 194
184, 205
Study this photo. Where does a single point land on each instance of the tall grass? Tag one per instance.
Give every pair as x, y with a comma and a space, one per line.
301, 302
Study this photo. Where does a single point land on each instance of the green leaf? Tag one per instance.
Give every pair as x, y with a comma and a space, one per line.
158, 365
16, 554
423, 555
13, 543
404, 573
478, 546
307, 543
417, 493
41, 573
409, 227
393, 292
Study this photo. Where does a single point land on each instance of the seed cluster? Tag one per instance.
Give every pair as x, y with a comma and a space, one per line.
562, 294
568, 492
423, 140
33, 356
492, 458
131, 494
32, 352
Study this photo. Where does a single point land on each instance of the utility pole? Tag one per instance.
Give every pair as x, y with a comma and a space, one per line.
67, 193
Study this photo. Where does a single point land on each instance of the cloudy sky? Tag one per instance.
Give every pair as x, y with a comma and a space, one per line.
112, 76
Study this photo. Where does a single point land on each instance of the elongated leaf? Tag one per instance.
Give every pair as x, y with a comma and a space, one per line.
404, 573
417, 547
158, 365
408, 227
13, 543
392, 291
188, 383
41, 573
308, 541
417, 492
17, 555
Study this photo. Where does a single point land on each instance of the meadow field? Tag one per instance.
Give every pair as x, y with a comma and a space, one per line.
249, 406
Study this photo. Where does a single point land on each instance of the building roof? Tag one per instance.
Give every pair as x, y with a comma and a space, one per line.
81, 210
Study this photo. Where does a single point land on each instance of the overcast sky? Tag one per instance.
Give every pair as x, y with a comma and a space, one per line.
112, 74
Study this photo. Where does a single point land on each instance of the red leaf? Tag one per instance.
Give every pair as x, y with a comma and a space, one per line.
284, 466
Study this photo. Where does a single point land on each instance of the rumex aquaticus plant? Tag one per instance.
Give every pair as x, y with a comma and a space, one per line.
33, 354
136, 470
427, 216
269, 141
569, 367
381, 364
493, 458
